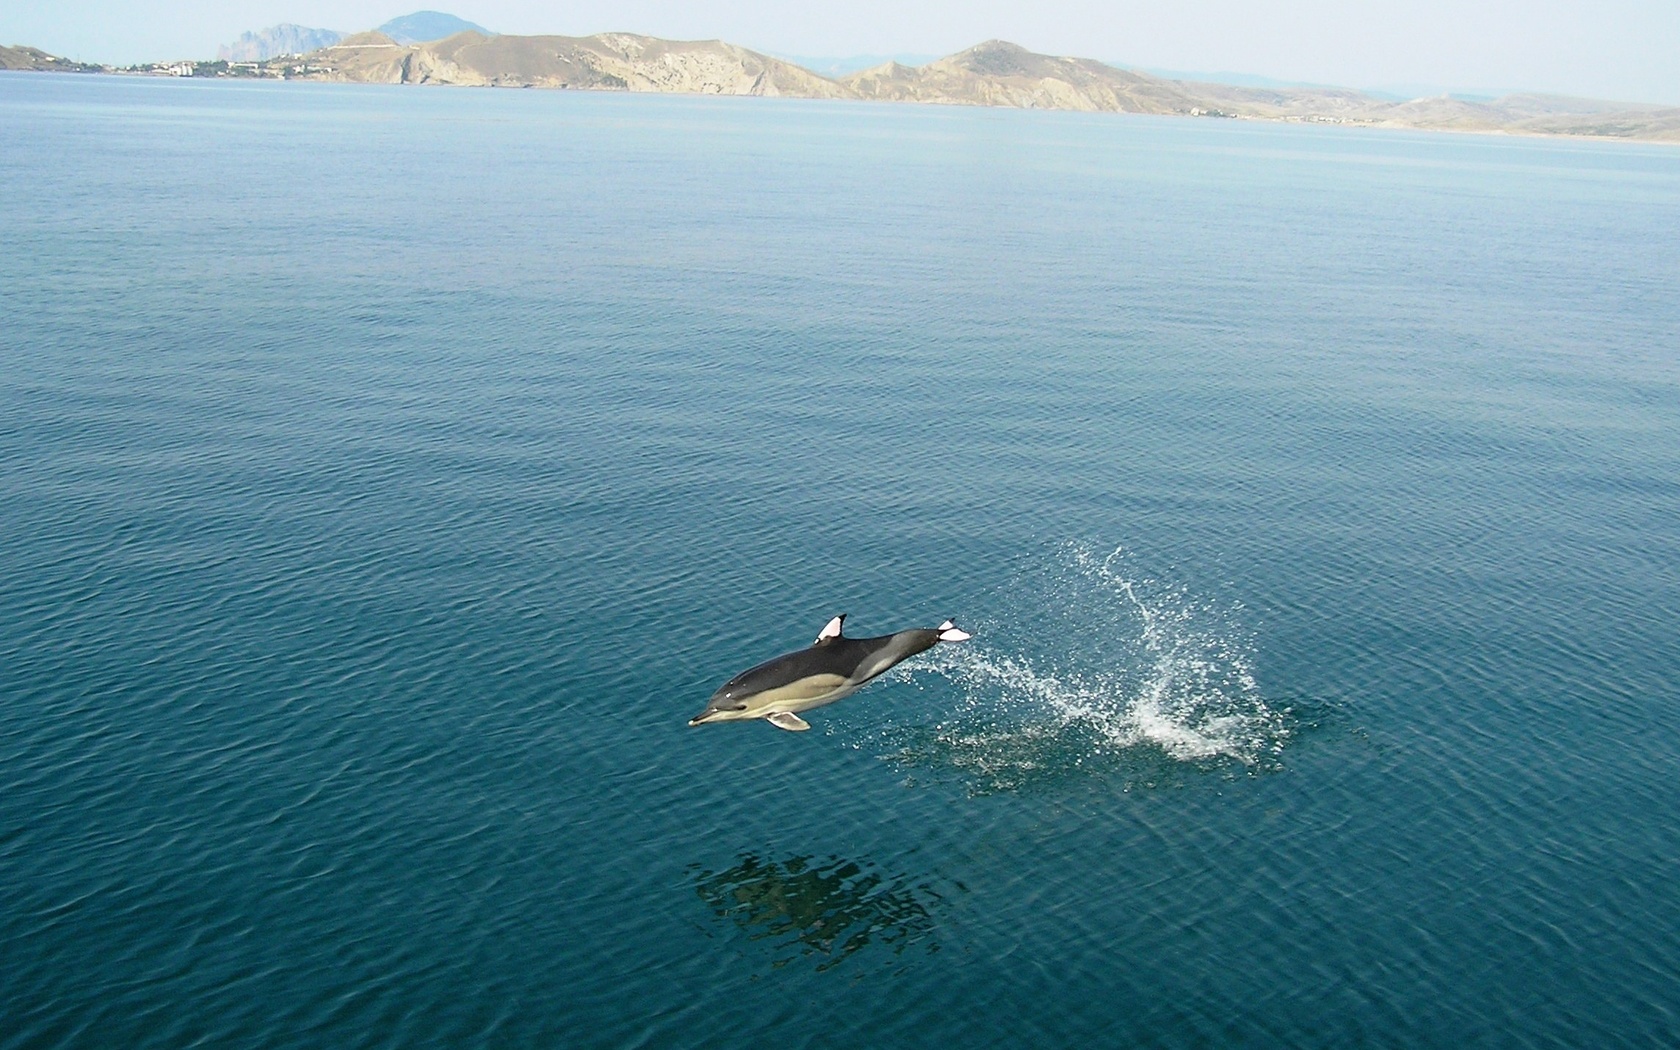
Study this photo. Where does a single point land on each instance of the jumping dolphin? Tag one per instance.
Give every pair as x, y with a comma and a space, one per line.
831, 668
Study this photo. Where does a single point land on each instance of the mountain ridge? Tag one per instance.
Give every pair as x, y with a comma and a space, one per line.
992, 73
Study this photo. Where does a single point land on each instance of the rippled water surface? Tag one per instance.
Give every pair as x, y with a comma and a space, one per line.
387, 475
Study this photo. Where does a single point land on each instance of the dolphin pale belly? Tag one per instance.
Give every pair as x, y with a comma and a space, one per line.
832, 667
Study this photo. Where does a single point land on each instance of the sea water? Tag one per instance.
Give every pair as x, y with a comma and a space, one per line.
388, 474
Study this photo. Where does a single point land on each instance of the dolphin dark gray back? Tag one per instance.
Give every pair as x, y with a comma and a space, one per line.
837, 656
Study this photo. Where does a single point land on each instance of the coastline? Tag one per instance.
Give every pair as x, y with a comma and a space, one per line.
1028, 81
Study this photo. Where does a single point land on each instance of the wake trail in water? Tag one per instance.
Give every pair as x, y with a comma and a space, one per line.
1099, 670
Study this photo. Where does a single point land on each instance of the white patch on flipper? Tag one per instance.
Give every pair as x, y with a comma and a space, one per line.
948, 632
789, 721
832, 630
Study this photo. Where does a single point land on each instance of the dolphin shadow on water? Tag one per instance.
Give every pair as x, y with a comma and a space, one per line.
828, 909
831, 668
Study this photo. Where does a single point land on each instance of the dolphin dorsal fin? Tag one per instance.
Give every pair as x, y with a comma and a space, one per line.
832, 630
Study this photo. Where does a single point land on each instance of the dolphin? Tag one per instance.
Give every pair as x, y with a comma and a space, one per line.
832, 667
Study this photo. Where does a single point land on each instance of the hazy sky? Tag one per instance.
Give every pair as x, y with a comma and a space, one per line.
1619, 49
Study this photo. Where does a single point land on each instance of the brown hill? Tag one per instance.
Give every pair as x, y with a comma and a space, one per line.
1661, 124
607, 61
998, 73
20, 57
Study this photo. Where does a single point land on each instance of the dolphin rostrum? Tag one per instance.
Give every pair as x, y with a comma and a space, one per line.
832, 667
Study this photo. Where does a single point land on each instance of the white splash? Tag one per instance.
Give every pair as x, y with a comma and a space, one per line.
1102, 667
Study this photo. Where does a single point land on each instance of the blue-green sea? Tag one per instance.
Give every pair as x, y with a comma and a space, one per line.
388, 474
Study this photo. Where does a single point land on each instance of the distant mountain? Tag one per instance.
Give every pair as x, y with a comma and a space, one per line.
998, 73
424, 26
289, 39
834, 68
1238, 79
283, 39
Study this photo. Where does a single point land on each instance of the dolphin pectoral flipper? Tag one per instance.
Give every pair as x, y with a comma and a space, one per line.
789, 721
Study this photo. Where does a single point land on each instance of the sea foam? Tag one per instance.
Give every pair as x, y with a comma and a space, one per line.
1101, 670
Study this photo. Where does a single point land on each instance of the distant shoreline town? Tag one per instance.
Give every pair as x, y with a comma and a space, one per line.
433, 48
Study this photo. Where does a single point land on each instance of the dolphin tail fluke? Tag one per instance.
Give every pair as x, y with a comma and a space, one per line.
948, 632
